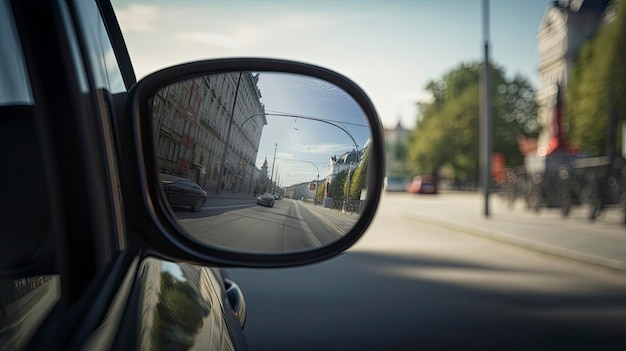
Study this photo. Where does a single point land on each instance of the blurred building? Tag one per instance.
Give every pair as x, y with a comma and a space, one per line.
396, 140
565, 26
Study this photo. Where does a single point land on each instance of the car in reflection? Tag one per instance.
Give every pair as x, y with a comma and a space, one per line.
423, 185
182, 192
265, 199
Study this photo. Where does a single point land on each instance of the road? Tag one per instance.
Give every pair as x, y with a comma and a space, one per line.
412, 285
289, 225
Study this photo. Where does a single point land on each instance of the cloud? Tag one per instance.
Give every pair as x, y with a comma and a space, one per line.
284, 155
138, 18
329, 149
221, 40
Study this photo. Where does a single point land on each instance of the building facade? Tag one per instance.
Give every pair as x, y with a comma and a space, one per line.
201, 137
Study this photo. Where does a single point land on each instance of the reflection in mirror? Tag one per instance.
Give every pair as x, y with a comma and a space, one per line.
261, 161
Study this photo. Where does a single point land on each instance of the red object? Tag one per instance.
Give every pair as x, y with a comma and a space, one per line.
558, 141
497, 167
423, 185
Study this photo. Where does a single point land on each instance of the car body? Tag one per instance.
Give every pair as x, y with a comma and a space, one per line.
423, 185
182, 192
266, 199
101, 262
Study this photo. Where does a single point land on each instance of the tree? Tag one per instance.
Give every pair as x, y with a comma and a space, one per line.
597, 86
321, 190
359, 176
335, 190
447, 127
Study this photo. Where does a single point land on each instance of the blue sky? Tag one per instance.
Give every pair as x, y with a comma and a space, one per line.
309, 120
389, 48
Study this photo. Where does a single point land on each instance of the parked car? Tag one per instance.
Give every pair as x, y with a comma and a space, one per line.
182, 192
266, 199
423, 185
84, 205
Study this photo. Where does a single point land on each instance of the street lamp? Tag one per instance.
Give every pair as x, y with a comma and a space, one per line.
327, 121
273, 163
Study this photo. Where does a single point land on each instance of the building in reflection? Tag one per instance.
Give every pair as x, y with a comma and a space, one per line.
302, 191
341, 168
337, 164
194, 119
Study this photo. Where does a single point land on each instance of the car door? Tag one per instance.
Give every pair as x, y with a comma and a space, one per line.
74, 271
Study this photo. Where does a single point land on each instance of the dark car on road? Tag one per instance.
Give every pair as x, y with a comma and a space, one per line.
266, 199
182, 192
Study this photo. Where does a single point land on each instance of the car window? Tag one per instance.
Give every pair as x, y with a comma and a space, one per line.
107, 73
25, 297
14, 84
186, 184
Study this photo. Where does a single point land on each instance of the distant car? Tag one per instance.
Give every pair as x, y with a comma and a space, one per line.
395, 184
423, 185
182, 192
265, 199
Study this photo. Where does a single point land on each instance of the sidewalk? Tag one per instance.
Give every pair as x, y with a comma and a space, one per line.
601, 243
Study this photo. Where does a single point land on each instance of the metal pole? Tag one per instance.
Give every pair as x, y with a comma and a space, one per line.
273, 163
220, 174
486, 125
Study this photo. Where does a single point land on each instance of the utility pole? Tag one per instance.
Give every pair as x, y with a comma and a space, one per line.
273, 163
485, 121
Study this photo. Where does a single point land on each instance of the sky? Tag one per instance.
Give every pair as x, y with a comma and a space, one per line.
391, 49
308, 121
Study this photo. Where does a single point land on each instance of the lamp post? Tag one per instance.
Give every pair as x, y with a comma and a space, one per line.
333, 123
485, 125
273, 163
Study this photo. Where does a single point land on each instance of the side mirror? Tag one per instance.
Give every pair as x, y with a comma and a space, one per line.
257, 161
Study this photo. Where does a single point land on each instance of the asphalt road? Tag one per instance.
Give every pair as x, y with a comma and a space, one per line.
410, 285
240, 224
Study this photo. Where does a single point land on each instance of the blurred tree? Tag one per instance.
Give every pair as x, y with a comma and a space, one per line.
446, 132
597, 86
178, 315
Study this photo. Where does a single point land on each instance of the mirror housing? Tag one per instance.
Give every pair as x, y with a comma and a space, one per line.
163, 232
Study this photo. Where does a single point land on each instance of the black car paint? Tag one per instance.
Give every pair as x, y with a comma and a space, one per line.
182, 192
99, 281
85, 142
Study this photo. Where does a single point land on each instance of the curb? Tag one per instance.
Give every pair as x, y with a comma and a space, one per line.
518, 241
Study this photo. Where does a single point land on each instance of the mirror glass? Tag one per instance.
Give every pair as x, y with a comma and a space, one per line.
261, 162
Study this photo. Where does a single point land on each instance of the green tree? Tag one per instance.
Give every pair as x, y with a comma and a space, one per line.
321, 189
597, 86
178, 315
446, 133
359, 176
335, 190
